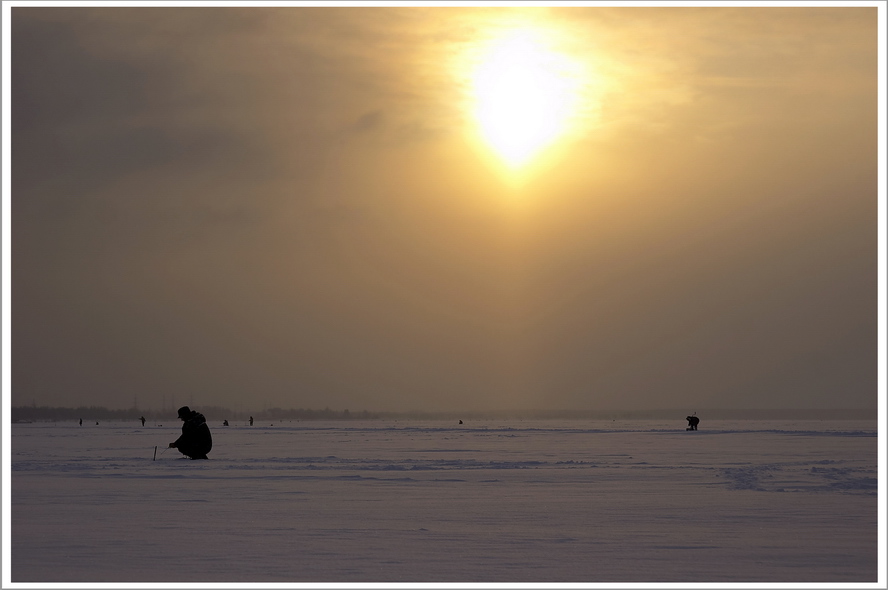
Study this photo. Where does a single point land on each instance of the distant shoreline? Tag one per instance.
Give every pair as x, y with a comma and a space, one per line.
59, 414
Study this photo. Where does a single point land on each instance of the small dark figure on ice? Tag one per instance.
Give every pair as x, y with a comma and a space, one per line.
224, 422
196, 440
692, 422
251, 420
143, 420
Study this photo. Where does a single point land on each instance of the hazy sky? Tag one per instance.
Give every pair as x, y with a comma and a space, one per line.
301, 207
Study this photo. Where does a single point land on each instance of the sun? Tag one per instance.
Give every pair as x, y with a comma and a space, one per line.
524, 95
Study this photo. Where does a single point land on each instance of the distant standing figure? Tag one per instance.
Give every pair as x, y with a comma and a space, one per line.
81, 421
251, 420
196, 440
692, 422
143, 420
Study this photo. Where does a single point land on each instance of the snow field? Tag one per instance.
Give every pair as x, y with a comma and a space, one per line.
499, 501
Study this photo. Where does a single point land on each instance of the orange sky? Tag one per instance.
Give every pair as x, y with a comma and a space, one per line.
296, 207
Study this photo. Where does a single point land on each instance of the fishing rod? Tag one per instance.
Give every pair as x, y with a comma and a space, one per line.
162, 452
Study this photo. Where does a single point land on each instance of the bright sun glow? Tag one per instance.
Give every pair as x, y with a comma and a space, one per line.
525, 95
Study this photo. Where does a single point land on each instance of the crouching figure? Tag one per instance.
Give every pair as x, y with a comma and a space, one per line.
196, 440
692, 423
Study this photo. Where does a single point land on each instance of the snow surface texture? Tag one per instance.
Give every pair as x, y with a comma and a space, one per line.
499, 501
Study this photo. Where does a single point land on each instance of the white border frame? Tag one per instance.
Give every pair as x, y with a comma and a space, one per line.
6, 245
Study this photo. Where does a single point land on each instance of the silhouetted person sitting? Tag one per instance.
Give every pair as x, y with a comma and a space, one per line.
692, 423
196, 440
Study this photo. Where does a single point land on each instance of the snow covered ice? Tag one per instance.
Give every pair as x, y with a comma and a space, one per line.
408, 501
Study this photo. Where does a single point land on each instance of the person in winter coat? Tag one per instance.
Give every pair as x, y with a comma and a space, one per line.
692, 422
196, 440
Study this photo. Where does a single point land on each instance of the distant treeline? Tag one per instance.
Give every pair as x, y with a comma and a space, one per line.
57, 414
